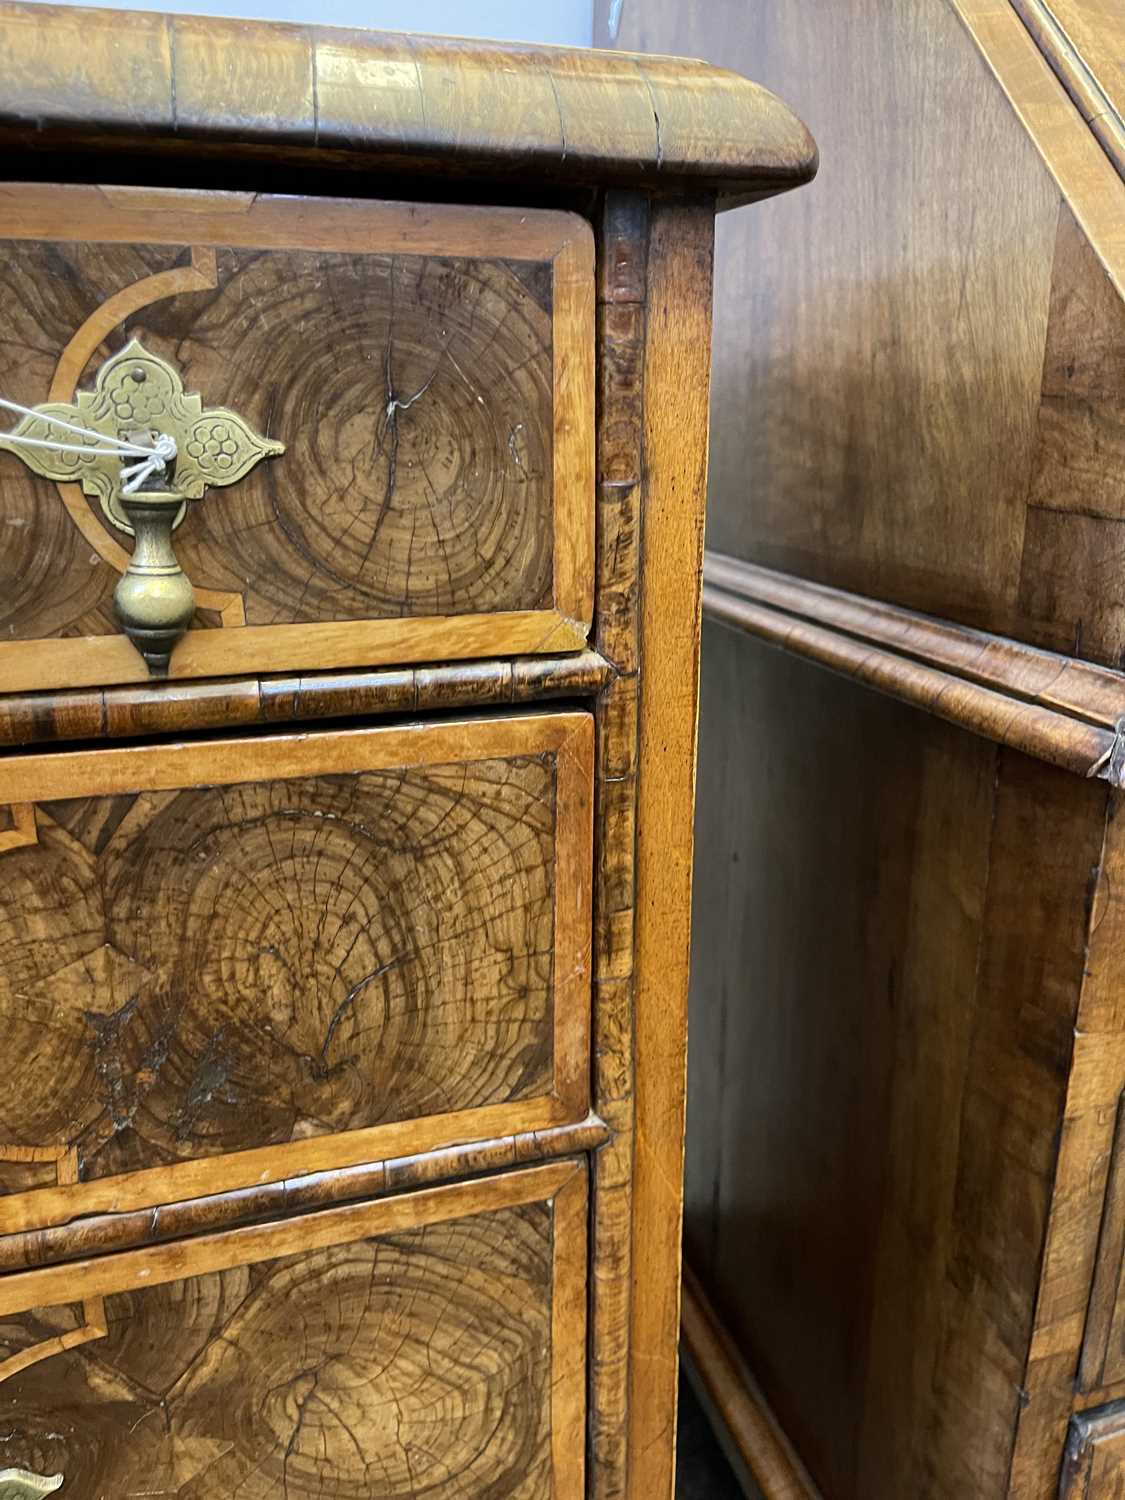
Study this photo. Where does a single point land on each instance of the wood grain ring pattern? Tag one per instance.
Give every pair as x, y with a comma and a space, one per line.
538, 1079
516, 585
433, 1342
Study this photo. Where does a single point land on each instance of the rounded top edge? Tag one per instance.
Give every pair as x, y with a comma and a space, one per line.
396, 102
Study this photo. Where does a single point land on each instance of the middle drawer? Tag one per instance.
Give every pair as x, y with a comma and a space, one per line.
227, 962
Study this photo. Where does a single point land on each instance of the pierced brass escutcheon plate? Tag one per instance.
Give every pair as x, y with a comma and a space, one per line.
137, 391
138, 397
19, 1484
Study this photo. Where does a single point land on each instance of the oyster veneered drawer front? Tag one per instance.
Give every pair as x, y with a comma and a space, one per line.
432, 1344
382, 415
227, 962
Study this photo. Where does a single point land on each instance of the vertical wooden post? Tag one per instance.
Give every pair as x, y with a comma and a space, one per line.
677, 381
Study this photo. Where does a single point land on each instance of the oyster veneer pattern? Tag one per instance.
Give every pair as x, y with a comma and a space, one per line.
205, 970
413, 394
427, 1345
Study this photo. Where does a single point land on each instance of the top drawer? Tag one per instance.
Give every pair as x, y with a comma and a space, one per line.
428, 369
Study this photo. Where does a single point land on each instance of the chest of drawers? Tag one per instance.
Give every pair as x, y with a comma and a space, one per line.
349, 603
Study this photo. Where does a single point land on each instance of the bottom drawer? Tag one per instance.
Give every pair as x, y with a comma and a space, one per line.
427, 1345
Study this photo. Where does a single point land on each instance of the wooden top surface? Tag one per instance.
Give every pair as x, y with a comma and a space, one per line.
102, 80
1084, 42
1096, 29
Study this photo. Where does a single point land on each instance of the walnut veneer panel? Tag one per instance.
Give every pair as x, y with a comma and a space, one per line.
428, 369
883, 1060
917, 389
429, 1345
212, 950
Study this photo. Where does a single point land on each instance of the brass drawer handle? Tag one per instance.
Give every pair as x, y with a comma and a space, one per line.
154, 600
19, 1484
139, 409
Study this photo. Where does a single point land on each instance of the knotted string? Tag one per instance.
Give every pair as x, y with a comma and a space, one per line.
152, 459
158, 458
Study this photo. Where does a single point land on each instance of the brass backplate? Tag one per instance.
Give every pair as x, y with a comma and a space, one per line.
135, 391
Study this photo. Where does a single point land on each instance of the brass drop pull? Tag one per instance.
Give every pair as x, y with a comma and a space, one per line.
144, 447
154, 601
19, 1484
